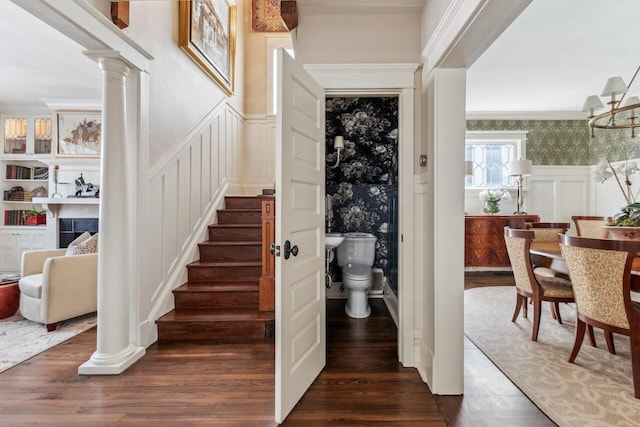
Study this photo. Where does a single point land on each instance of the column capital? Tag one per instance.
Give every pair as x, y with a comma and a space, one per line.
109, 60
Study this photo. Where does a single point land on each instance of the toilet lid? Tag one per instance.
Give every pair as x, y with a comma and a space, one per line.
357, 271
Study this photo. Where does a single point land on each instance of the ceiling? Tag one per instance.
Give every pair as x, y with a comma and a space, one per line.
41, 68
553, 56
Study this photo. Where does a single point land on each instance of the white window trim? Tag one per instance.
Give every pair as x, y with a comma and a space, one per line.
516, 137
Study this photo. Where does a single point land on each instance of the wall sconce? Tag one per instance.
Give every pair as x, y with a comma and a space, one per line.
519, 169
338, 144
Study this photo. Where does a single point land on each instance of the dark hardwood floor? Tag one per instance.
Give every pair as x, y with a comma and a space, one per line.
186, 383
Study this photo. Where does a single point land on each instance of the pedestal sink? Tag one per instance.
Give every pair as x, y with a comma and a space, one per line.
333, 240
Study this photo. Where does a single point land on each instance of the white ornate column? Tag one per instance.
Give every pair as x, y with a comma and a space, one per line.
114, 352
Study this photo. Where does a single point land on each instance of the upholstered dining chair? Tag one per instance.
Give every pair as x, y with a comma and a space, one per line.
600, 271
591, 226
547, 231
530, 285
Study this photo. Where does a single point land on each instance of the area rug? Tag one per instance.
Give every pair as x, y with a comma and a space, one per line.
21, 339
596, 390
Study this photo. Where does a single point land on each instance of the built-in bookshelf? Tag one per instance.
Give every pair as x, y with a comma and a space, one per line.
22, 179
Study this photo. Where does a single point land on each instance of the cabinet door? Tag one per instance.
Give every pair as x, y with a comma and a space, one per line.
8, 252
28, 240
15, 135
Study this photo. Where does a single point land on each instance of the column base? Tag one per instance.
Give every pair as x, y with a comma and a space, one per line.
111, 364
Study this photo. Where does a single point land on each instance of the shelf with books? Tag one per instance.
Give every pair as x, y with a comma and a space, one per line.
22, 179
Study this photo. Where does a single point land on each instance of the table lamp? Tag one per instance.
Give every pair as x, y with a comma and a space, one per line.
519, 169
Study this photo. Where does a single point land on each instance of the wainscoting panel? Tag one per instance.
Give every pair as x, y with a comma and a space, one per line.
423, 274
258, 152
184, 191
555, 193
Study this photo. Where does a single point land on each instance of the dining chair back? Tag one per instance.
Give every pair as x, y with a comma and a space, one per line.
600, 272
591, 226
530, 285
548, 231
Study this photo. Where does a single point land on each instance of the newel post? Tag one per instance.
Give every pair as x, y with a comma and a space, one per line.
267, 278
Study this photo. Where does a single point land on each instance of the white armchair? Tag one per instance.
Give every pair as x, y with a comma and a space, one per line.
55, 287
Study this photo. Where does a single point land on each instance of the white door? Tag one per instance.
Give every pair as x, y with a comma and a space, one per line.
300, 292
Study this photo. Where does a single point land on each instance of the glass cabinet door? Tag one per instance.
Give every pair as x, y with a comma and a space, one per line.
42, 135
15, 135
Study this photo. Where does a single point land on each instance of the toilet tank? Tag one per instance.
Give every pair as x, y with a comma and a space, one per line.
357, 248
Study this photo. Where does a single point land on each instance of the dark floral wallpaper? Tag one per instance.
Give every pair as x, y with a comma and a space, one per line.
368, 169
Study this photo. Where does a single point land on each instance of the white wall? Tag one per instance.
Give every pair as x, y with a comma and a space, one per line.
329, 38
181, 93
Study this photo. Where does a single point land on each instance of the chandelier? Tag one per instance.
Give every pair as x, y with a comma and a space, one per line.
621, 113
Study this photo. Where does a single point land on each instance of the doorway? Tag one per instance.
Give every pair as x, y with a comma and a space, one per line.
362, 180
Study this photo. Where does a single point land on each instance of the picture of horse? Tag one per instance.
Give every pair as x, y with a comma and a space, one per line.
79, 133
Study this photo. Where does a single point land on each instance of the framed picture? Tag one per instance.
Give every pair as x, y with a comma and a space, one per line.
78, 133
207, 33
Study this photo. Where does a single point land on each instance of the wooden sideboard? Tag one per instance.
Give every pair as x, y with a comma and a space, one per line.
484, 238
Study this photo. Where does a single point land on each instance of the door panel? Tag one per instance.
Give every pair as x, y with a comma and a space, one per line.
300, 292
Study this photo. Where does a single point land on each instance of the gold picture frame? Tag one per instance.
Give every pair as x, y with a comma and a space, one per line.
207, 33
78, 133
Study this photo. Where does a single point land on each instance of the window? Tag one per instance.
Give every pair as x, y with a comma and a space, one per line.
490, 152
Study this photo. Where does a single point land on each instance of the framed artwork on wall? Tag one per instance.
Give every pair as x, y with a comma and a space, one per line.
207, 33
78, 133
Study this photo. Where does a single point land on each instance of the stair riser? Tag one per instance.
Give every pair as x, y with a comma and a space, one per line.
230, 253
220, 234
191, 300
231, 217
232, 331
223, 274
242, 203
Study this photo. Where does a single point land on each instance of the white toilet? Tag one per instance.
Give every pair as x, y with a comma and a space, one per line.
356, 255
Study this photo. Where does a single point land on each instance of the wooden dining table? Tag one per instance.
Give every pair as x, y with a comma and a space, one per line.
548, 254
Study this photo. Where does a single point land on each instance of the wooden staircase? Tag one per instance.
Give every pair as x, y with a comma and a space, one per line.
220, 301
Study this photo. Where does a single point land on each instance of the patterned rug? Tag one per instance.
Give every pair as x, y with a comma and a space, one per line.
21, 339
597, 390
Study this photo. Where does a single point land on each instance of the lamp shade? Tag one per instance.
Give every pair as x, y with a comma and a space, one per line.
614, 86
520, 167
468, 168
592, 103
630, 101
338, 142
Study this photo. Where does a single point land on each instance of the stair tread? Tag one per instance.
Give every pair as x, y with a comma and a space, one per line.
217, 315
231, 242
240, 210
235, 225
225, 264
218, 287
